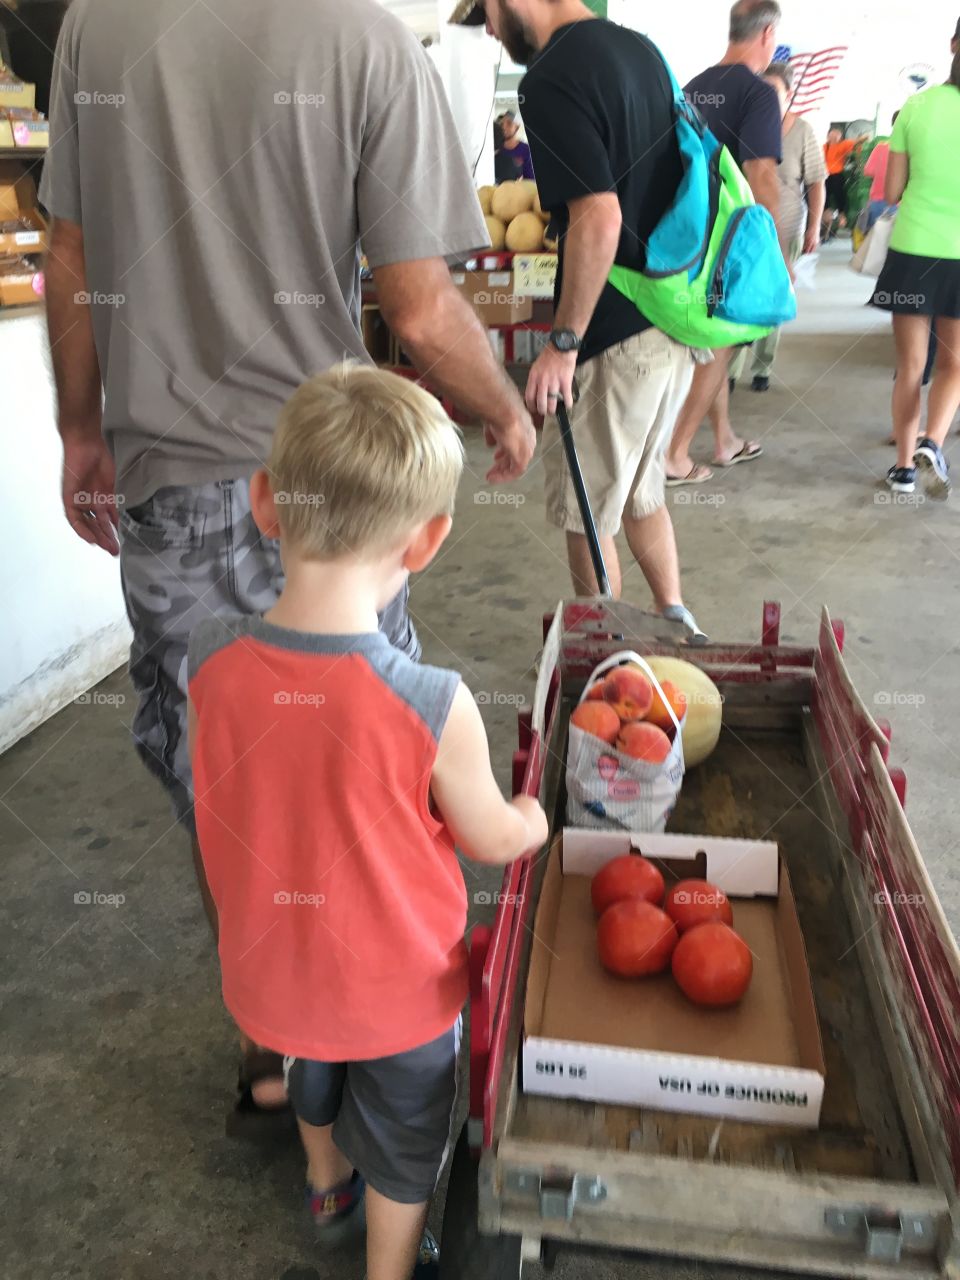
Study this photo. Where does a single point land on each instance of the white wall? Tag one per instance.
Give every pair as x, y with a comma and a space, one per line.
466, 58
64, 626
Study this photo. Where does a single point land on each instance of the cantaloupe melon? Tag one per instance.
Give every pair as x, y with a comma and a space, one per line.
525, 234
701, 730
543, 214
511, 199
497, 232
485, 196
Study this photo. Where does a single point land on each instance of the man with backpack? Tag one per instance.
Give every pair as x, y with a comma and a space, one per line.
599, 112
743, 111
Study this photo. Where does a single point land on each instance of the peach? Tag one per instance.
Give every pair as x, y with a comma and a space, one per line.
629, 692
596, 694
598, 719
644, 741
675, 698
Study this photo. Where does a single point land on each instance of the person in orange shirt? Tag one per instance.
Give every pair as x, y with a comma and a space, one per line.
836, 151
334, 779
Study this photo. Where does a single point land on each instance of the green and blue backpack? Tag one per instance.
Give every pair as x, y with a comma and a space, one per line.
715, 275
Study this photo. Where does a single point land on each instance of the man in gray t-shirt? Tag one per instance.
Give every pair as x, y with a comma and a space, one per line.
215, 171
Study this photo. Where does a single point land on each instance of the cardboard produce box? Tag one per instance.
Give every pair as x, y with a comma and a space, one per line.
16, 93
641, 1042
26, 233
21, 284
30, 134
492, 296
18, 191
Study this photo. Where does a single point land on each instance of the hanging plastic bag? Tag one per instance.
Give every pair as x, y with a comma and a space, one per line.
608, 790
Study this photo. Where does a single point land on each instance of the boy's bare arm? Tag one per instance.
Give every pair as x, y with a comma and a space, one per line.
485, 826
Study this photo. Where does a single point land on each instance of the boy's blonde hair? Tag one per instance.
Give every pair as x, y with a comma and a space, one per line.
360, 457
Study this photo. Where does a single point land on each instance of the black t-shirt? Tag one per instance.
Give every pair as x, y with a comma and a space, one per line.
598, 110
741, 109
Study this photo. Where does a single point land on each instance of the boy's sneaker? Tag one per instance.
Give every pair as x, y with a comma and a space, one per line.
334, 1212
760, 382
428, 1264
902, 479
929, 457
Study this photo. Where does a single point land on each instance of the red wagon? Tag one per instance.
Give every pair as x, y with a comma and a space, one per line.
872, 1192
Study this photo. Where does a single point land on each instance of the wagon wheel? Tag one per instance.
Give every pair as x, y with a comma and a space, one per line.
465, 1254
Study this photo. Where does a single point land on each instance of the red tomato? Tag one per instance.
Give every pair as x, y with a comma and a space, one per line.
630, 876
712, 965
692, 902
635, 938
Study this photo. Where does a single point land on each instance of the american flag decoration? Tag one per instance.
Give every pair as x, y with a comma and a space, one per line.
813, 75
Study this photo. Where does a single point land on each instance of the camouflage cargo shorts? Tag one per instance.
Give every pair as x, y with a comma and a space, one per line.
186, 554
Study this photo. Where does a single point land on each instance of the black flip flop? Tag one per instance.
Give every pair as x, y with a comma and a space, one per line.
249, 1120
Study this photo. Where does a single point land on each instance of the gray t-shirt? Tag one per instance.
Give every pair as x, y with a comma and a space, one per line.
226, 160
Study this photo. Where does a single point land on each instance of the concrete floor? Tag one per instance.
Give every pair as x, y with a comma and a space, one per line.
118, 1059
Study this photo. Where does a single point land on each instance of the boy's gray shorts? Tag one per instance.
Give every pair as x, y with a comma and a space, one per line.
390, 1116
186, 554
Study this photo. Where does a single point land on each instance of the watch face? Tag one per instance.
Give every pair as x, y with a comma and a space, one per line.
565, 340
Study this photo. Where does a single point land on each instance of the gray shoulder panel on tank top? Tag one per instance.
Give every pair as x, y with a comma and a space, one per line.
429, 691
209, 637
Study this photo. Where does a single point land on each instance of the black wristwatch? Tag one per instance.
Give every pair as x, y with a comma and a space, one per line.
565, 340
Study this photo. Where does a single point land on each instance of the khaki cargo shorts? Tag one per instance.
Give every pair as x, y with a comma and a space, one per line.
187, 554
630, 398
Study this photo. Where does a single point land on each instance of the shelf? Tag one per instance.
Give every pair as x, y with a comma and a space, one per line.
23, 153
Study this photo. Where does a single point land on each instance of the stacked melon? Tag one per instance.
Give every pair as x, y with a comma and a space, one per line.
515, 219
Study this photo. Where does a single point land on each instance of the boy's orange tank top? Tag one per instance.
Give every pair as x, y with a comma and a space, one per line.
341, 901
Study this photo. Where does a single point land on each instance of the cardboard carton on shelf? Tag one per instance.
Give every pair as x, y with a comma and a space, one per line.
31, 131
6, 132
21, 283
590, 1035
493, 296
22, 227
15, 92
27, 233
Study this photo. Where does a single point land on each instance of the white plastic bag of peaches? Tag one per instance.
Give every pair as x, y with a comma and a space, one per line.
625, 756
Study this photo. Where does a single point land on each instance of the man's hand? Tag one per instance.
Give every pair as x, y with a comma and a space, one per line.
551, 380
514, 448
89, 491
811, 241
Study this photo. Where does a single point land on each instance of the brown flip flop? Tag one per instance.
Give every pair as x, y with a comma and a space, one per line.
698, 474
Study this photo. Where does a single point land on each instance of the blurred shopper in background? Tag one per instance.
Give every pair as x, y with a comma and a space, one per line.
837, 150
802, 175
744, 113
503, 168
920, 283
516, 150
876, 169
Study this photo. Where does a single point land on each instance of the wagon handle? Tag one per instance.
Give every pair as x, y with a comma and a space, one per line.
583, 500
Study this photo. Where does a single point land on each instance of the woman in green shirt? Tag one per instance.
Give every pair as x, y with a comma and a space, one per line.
920, 283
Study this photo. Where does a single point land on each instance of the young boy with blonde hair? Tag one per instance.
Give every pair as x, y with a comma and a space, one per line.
333, 777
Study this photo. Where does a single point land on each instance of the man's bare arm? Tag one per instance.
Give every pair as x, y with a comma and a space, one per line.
89, 475
589, 250
75, 365
765, 185
441, 333
816, 203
